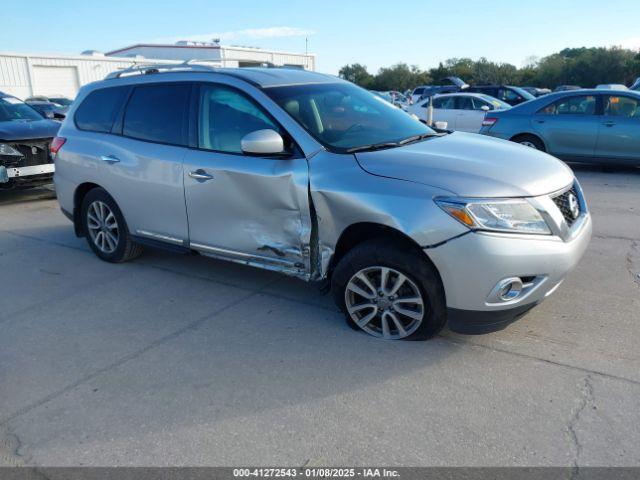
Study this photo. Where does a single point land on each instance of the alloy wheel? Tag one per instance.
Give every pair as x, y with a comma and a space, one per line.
384, 302
103, 227
529, 144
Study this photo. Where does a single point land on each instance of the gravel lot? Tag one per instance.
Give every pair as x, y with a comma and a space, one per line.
179, 360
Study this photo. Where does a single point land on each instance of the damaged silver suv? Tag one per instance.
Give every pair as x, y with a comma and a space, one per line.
311, 176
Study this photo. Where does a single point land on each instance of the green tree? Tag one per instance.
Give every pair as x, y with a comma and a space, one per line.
583, 66
400, 77
358, 74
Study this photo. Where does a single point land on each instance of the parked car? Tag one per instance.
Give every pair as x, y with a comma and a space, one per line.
462, 111
565, 88
25, 137
507, 93
447, 85
611, 86
537, 91
591, 126
399, 100
60, 100
48, 110
310, 175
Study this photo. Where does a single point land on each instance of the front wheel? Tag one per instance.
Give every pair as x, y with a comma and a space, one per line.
389, 291
105, 228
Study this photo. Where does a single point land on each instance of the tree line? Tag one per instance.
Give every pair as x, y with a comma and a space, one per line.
586, 67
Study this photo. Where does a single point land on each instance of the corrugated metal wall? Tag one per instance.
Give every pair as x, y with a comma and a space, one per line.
17, 70
17, 78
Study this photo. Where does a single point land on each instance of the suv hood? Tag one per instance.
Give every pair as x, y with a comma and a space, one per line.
27, 130
471, 165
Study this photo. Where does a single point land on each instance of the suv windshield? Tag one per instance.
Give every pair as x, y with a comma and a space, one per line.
13, 109
344, 117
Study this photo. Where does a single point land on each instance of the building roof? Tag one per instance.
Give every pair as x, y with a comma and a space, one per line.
203, 46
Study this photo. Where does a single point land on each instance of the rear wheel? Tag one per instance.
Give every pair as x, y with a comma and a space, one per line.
389, 291
105, 228
530, 141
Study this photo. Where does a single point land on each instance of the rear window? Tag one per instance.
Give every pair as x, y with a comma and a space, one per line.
158, 113
98, 111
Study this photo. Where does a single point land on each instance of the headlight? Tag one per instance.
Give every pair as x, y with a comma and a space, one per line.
509, 215
9, 151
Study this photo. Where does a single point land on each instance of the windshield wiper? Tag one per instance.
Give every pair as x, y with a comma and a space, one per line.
373, 147
417, 138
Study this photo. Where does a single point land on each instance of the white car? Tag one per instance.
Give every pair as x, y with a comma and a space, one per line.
611, 86
462, 111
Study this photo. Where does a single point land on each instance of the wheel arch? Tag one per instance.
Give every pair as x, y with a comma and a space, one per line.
529, 134
78, 196
357, 233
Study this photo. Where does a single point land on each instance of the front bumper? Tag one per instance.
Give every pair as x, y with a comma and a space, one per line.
472, 265
28, 174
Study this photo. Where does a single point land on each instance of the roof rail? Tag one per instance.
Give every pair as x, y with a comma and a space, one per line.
148, 69
186, 66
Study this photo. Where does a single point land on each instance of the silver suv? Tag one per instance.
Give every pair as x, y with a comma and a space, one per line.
311, 176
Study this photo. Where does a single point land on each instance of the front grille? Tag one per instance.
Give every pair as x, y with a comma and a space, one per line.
34, 152
564, 202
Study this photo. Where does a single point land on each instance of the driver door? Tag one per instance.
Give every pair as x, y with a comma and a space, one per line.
245, 208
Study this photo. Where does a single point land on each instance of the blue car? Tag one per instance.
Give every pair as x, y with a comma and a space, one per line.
586, 126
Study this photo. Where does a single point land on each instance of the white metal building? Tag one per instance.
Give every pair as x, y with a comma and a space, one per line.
223, 55
24, 75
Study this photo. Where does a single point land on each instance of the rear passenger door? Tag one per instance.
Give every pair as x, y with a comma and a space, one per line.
141, 165
569, 126
444, 110
246, 208
619, 129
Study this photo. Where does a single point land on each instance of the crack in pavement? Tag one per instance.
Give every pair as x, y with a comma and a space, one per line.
121, 361
544, 360
586, 397
10, 449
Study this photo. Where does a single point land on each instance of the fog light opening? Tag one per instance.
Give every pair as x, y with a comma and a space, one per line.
510, 289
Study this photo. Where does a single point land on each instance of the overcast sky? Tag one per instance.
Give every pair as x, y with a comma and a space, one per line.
375, 33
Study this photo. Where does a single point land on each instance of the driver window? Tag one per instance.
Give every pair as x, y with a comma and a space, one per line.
478, 104
465, 103
618, 106
226, 116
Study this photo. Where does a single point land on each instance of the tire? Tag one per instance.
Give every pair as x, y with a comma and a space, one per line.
530, 141
105, 228
372, 258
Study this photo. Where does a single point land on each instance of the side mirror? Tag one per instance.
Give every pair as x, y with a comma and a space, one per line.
262, 142
485, 108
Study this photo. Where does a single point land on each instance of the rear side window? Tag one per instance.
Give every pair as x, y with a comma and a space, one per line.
99, 110
158, 113
445, 103
578, 105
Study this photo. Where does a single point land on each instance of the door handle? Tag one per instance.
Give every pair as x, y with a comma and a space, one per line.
609, 124
540, 121
109, 158
200, 175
